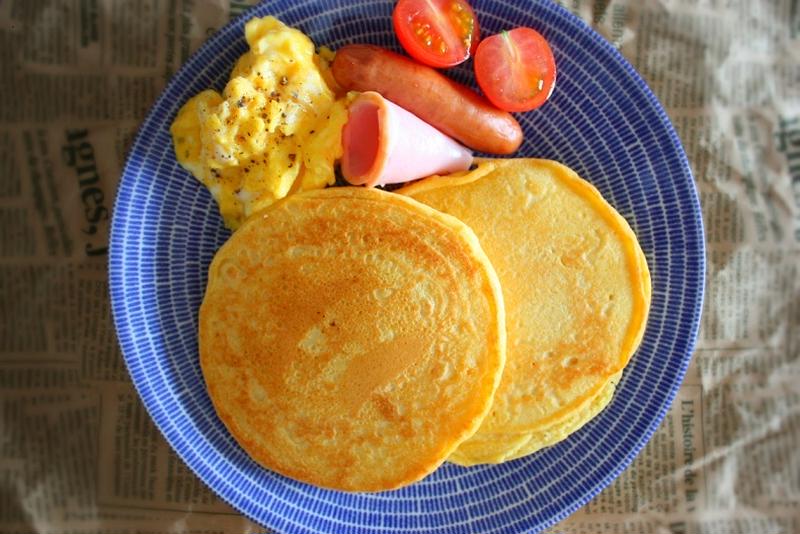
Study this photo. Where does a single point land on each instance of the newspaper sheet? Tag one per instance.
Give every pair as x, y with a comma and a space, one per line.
79, 453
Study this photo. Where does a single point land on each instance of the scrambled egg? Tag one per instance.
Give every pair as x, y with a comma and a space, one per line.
275, 129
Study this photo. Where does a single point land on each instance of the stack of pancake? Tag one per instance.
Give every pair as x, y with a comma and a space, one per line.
356, 339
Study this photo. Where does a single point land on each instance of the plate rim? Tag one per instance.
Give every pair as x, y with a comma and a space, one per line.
153, 405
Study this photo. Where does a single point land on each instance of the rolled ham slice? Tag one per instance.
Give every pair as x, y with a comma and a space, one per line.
385, 144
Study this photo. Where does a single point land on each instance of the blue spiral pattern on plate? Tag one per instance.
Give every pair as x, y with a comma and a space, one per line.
602, 121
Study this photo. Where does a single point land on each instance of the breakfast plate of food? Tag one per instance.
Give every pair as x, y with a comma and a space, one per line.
407, 266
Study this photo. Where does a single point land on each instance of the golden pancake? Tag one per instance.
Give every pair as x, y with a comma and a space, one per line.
495, 448
575, 283
352, 338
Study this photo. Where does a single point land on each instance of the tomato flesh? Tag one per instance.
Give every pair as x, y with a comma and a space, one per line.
438, 33
516, 69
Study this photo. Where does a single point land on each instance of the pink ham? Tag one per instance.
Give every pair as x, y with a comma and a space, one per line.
385, 144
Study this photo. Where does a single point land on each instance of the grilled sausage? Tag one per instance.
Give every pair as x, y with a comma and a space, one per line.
443, 103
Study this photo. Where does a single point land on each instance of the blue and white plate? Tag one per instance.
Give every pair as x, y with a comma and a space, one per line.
602, 121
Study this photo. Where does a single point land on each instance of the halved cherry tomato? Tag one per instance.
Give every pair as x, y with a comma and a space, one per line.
516, 69
438, 33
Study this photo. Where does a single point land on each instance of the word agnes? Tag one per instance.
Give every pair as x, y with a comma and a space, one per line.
78, 153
